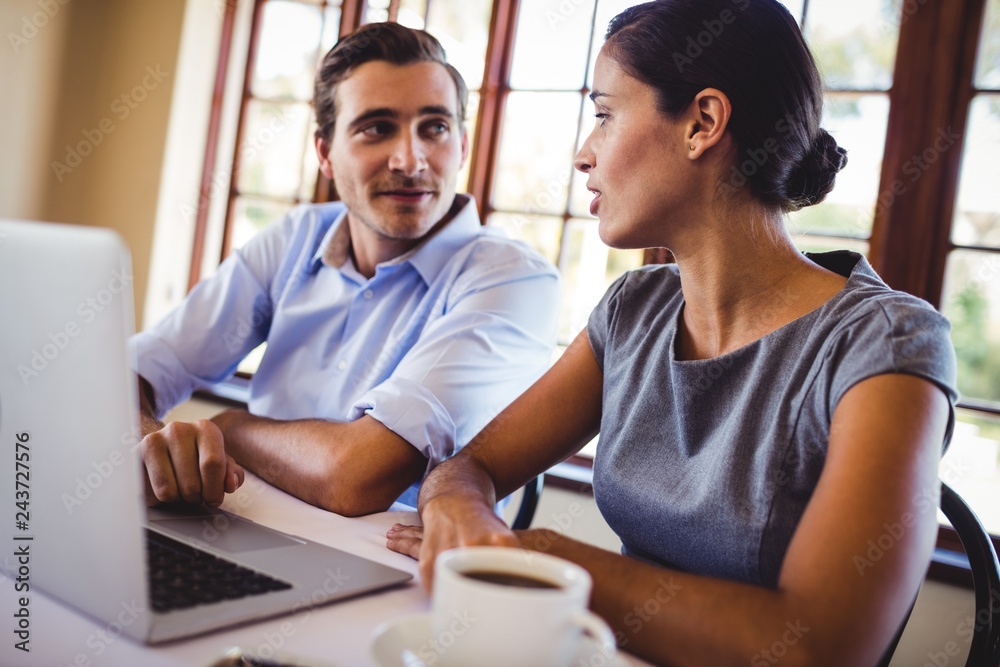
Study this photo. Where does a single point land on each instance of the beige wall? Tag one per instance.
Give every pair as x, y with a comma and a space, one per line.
65, 87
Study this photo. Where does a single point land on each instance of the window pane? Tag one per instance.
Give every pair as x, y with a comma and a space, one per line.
972, 303
471, 116
272, 149
550, 46
794, 7
536, 152
543, 233
588, 267
580, 197
310, 165
977, 212
988, 66
606, 10
807, 243
378, 11
331, 30
854, 41
252, 215
463, 30
970, 465
411, 13
289, 44
858, 123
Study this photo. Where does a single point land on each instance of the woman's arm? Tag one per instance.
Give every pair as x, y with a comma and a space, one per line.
551, 420
839, 599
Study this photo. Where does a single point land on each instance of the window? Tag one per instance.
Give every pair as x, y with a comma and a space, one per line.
912, 91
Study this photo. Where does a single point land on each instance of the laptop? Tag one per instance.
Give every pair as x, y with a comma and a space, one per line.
71, 491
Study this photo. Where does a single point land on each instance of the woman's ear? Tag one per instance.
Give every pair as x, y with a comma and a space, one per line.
708, 118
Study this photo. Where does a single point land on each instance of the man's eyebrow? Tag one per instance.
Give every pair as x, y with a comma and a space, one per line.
370, 114
392, 114
437, 110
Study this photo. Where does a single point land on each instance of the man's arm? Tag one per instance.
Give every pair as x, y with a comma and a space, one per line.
351, 468
467, 365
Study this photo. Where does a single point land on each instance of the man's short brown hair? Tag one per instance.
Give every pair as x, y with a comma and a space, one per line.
390, 42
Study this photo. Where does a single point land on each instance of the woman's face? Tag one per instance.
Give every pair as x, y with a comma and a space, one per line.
635, 161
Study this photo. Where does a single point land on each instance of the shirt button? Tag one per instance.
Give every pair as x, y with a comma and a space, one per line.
342, 364
369, 294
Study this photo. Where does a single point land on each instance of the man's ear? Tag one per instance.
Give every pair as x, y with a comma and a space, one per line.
708, 118
323, 153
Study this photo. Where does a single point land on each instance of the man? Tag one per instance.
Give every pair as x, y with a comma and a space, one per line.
396, 325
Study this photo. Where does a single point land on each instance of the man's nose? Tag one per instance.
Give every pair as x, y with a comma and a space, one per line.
408, 155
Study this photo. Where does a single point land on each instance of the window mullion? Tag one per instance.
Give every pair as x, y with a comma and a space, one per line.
929, 104
496, 76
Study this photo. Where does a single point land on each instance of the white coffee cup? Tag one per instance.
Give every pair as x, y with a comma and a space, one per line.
483, 623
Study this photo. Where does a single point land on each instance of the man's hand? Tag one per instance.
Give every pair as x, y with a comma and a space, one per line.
188, 461
450, 522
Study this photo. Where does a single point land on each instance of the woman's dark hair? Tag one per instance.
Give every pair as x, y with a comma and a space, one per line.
390, 42
753, 51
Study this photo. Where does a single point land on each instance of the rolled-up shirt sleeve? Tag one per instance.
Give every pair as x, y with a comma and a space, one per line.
203, 340
493, 341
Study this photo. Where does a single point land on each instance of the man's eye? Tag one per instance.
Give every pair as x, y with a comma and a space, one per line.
377, 130
436, 129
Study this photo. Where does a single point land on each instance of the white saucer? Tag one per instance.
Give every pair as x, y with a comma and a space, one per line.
400, 643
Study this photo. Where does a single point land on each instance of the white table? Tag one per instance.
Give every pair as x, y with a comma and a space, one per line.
337, 634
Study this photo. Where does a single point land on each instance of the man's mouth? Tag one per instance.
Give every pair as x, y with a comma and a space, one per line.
408, 195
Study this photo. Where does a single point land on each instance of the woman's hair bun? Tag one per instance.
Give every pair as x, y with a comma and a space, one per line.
812, 179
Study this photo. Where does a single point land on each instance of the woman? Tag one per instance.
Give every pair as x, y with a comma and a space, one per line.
766, 416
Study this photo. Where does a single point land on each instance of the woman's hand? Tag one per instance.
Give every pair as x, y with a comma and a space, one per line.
449, 522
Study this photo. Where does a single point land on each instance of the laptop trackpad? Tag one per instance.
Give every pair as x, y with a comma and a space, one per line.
226, 532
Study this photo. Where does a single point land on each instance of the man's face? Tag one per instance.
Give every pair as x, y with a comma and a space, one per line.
397, 147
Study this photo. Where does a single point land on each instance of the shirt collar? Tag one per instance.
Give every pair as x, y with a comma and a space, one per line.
428, 258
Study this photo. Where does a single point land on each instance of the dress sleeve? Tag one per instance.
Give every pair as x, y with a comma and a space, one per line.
599, 324
899, 334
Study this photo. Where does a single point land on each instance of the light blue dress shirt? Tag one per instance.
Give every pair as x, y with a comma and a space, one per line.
438, 342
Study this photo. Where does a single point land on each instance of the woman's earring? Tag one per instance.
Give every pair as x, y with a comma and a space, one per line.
690, 148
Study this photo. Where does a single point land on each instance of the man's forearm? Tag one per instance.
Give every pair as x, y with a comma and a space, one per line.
350, 468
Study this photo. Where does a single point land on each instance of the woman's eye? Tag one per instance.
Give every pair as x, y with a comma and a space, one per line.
601, 118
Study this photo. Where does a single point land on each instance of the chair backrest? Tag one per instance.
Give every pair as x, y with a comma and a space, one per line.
984, 650
529, 503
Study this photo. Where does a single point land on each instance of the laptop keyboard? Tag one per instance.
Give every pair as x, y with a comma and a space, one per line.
181, 576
